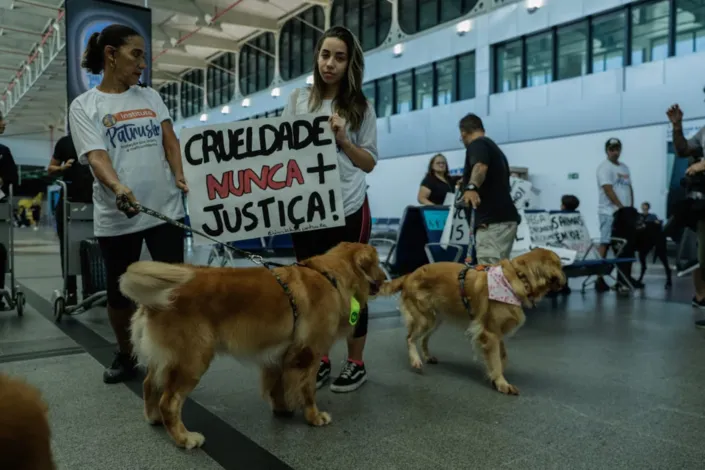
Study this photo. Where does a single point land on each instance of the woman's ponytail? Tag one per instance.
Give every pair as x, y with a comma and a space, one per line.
93, 56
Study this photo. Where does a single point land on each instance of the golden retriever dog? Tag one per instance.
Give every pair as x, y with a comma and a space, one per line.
485, 300
283, 318
25, 436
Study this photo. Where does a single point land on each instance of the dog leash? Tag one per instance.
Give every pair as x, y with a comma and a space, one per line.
131, 209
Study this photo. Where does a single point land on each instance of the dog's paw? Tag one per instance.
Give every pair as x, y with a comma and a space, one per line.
432, 360
321, 418
505, 387
193, 440
417, 364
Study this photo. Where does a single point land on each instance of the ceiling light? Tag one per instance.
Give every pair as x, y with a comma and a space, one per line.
276, 92
533, 5
398, 49
463, 27
245, 102
204, 117
309, 80
225, 109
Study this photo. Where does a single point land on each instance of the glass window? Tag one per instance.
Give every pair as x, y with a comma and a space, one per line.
369, 89
508, 65
446, 80
370, 20
649, 32
690, 26
466, 76
428, 14
539, 59
608, 42
408, 19
423, 82
297, 42
385, 95
572, 45
192, 93
403, 92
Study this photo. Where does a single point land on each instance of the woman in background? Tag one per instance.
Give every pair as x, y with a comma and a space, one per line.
337, 90
437, 182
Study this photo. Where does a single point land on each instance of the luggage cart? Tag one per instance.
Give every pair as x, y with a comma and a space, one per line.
14, 297
78, 226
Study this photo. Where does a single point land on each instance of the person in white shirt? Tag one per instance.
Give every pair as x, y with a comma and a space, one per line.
337, 89
124, 132
615, 192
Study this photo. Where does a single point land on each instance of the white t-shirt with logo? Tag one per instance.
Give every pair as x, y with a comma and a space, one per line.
128, 127
618, 176
354, 185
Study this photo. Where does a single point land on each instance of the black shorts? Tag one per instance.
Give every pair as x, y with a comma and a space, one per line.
165, 243
357, 228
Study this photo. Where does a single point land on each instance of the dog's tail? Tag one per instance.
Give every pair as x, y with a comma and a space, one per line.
392, 287
151, 284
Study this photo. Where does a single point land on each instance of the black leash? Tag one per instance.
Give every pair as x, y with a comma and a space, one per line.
131, 209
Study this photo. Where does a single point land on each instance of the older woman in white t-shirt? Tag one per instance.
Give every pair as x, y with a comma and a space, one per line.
337, 89
124, 132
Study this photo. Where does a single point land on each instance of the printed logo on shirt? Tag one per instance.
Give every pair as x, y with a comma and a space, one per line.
622, 179
130, 135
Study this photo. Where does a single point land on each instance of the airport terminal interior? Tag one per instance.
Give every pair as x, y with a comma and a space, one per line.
606, 380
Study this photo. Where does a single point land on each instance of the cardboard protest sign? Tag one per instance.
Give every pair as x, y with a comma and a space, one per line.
569, 231
456, 230
521, 192
541, 229
522, 241
263, 177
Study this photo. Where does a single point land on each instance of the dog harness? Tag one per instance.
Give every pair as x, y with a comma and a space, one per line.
497, 285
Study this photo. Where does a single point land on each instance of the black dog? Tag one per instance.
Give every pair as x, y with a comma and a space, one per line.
650, 236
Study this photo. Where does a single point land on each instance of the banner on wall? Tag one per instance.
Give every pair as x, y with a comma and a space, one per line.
264, 177
85, 17
521, 192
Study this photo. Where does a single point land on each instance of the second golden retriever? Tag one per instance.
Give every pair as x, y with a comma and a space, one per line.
283, 318
486, 300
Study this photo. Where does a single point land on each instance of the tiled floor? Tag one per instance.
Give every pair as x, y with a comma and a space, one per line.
605, 383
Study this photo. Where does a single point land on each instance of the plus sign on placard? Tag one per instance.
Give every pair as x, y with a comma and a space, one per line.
321, 168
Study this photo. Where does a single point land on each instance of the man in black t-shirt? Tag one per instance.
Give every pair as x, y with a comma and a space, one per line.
487, 189
8, 176
79, 183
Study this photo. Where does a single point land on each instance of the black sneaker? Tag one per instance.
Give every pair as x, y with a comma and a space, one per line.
72, 300
323, 374
700, 324
123, 368
351, 378
698, 303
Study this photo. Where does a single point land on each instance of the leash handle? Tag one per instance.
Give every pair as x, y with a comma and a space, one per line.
130, 209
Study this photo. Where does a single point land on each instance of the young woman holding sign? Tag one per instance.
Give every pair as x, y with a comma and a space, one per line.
124, 132
337, 89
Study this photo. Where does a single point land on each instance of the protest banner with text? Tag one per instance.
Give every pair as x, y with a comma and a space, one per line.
264, 177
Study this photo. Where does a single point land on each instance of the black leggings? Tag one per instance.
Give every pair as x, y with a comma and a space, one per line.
357, 228
3, 265
165, 243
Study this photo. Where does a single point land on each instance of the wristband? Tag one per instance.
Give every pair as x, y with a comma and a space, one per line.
471, 187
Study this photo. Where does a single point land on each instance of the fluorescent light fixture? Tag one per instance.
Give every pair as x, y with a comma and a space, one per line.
246, 103
533, 5
463, 27
309, 80
204, 117
225, 109
276, 92
398, 49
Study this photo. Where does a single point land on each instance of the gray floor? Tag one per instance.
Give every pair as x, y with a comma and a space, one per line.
605, 383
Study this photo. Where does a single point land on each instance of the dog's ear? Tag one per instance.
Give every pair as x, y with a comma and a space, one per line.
364, 257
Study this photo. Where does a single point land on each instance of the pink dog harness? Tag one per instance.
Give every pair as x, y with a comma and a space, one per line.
499, 287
